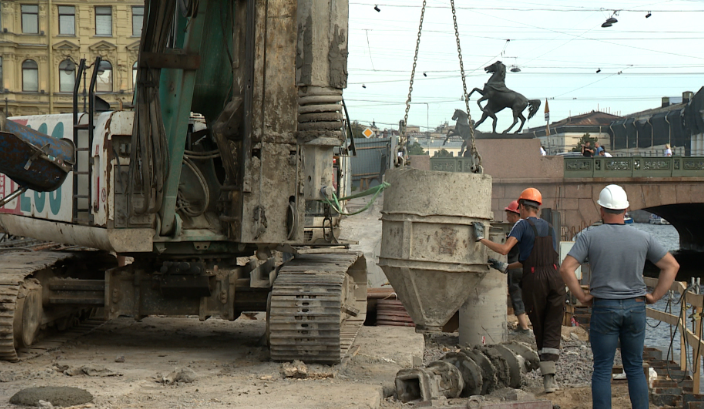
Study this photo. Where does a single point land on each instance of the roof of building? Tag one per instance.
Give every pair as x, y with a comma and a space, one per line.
653, 111
589, 122
590, 118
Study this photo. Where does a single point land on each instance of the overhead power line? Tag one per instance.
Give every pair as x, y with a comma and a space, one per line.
569, 10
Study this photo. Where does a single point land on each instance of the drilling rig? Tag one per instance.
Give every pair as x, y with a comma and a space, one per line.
228, 150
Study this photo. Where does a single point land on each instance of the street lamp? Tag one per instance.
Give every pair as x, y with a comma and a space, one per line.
427, 121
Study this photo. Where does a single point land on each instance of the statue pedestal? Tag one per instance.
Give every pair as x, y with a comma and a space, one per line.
491, 135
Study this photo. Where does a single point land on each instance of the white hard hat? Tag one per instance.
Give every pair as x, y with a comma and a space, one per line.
613, 197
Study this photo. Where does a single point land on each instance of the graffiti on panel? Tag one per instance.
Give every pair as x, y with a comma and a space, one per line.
50, 205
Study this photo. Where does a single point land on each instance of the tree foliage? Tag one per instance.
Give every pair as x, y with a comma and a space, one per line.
357, 130
443, 153
583, 140
416, 149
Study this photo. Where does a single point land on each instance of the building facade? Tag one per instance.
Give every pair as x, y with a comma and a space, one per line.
677, 123
42, 42
565, 134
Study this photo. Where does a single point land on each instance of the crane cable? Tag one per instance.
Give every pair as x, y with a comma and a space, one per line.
476, 158
400, 160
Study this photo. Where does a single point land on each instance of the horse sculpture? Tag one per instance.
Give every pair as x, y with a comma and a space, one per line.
500, 97
461, 128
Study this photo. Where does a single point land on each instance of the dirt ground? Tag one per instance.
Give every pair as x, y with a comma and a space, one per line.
232, 367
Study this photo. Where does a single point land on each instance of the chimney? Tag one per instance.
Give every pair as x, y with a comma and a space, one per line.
665, 101
687, 96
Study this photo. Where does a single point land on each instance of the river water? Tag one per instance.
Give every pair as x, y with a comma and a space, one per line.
658, 335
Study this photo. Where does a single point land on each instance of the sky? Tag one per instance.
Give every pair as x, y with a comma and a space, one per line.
558, 46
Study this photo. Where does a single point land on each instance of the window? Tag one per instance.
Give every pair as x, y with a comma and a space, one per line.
30, 19
67, 76
104, 83
30, 76
2, 84
137, 20
67, 20
134, 75
103, 21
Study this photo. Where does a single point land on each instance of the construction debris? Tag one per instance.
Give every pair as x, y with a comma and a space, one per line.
295, 369
475, 371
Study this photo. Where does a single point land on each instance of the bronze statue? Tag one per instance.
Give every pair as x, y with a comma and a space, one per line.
461, 129
500, 97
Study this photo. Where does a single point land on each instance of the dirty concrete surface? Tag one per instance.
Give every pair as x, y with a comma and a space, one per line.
364, 230
226, 361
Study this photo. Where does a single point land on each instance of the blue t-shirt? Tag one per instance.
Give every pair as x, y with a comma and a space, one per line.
526, 238
597, 150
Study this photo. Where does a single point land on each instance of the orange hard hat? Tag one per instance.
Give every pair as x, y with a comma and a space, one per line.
532, 194
512, 207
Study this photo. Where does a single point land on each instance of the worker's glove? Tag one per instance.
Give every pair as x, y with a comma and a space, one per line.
498, 265
478, 230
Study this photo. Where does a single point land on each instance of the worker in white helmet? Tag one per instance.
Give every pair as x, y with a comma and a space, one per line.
617, 293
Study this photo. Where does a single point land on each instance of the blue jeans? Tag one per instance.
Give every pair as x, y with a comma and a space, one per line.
614, 320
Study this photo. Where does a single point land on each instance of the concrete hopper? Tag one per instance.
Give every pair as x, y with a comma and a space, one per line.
428, 248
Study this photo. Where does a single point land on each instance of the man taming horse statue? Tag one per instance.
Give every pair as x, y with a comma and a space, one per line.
498, 97
461, 128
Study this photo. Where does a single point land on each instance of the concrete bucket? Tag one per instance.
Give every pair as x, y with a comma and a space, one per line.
428, 249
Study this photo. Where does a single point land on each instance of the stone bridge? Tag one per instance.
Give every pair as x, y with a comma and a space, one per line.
672, 188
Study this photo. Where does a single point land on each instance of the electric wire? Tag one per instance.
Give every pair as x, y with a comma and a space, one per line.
183, 204
682, 301
149, 156
532, 9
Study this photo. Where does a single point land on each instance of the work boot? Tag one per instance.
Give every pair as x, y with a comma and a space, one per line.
549, 383
547, 368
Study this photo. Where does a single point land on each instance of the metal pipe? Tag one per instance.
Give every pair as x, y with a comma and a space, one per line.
652, 133
76, 87
51, 59
669, 132
91, 127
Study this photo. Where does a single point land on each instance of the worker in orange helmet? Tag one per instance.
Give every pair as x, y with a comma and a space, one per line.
542, 285
514, 275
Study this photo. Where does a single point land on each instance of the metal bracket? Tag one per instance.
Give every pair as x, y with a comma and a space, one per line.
41, 153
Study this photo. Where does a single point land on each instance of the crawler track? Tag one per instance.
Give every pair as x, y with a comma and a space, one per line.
318, 304
15, 288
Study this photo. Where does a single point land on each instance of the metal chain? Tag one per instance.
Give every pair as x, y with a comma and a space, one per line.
403, 140
475, 154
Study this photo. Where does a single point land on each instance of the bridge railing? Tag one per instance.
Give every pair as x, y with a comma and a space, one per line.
634, 166
451, 164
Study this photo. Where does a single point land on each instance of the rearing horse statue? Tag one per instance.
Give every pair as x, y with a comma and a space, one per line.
461, 129
500, 97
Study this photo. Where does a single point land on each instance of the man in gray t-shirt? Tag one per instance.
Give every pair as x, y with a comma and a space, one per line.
617, 253
618, 294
